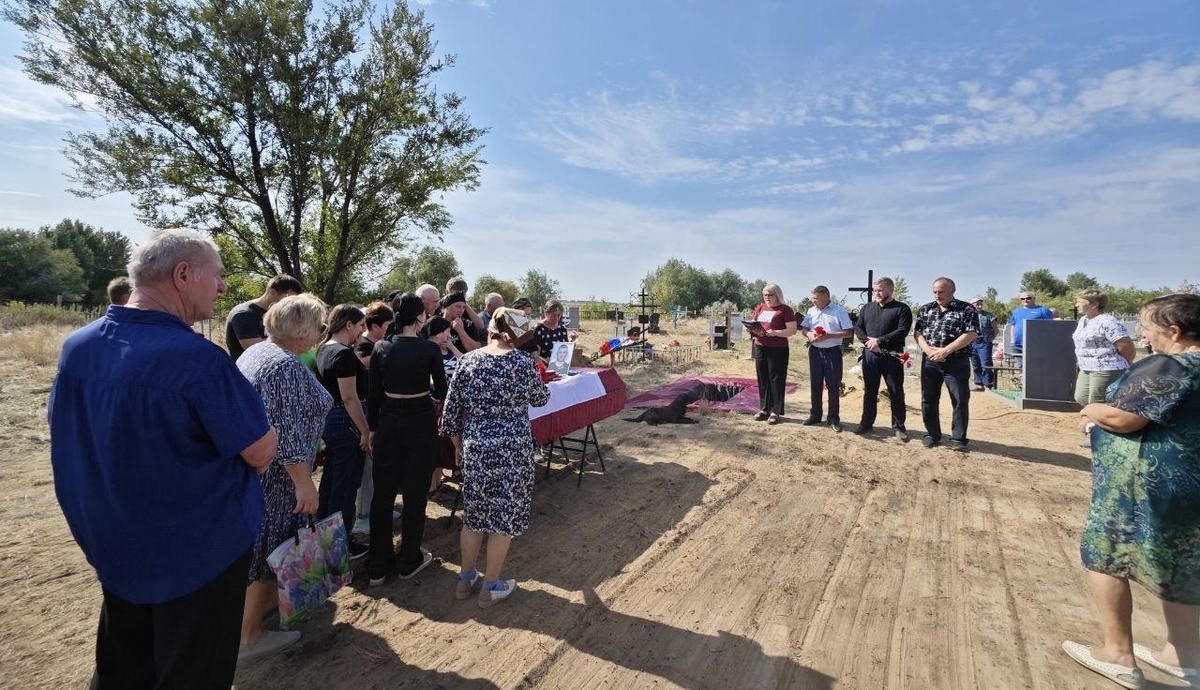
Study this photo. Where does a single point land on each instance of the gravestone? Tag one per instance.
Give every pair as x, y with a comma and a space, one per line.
1048, 373
572, 320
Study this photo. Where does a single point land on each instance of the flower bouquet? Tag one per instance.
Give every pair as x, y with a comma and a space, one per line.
904, 357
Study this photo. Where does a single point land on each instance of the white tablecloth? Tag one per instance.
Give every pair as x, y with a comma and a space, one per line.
568, 391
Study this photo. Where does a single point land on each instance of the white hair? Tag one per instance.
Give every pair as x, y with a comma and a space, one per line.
426, 289
154, 260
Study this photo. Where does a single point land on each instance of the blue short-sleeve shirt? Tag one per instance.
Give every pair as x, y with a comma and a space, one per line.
147, 420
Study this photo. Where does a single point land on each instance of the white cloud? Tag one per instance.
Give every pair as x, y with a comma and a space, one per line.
25, 101
1034, 107
641, 140
985, 224
799, 188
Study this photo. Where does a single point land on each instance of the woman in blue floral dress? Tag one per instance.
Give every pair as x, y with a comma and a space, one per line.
1144, 521
296, 405
487, 417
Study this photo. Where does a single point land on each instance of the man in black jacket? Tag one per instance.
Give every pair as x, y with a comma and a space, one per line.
882, 327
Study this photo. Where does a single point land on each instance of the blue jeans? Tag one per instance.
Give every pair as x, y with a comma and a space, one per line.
343, 467
825, 371
980, 352
955, 372
891, 370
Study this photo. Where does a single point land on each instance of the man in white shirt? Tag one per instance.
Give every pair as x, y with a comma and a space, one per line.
826, 325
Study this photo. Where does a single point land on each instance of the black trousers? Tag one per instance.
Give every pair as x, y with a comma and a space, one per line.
825, 372
190, 642
955, 373
891, 370
771, 364
406, 446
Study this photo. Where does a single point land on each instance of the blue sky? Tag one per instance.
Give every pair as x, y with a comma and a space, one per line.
797, 142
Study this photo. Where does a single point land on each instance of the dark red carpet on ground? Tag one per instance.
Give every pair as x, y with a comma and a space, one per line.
745, 402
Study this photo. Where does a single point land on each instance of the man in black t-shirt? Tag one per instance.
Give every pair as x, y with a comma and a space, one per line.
881, 326
244, 325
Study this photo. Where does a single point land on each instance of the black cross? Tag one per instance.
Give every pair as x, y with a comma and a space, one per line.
865, 292
644, 317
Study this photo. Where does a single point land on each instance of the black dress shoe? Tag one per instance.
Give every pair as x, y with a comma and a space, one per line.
862, 430
811, 421
955, 444
836, 426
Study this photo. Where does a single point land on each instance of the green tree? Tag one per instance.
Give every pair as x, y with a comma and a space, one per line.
679, 283
33, 270
727, 286
1081, 281
539, 288
752, 294
901, 293
309, 134
486, 284
430, 264
102, 255
1044, 284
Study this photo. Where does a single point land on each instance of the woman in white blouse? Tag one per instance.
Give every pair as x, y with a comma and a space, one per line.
1103, 347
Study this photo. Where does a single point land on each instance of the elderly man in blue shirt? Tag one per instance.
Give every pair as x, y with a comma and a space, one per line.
156, 439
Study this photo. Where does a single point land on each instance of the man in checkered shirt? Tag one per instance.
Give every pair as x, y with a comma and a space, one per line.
944, 331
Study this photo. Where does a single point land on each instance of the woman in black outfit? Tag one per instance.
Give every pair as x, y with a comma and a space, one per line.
405, 369
346, 433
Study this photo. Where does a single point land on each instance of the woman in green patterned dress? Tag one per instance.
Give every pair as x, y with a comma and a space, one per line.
1144, 521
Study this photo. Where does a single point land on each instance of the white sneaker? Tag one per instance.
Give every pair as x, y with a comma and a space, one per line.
463, 588
490, 597
272, 641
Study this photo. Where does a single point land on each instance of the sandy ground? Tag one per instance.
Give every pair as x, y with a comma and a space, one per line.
724, 554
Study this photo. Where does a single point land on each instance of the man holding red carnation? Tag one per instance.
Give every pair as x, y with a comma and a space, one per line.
882, 326
826, 325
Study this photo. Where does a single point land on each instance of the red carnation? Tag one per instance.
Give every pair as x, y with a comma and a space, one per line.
904, 357
819, 331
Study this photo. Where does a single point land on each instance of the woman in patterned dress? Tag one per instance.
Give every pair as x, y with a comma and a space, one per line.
1103, 347
551, 330
296, 405
1144, 520
487, 417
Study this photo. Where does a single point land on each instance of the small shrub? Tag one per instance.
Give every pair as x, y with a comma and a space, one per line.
15, 315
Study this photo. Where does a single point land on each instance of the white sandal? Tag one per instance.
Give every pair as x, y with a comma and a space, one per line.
1126, 676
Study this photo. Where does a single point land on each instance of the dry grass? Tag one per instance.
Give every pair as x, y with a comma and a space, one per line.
37, 345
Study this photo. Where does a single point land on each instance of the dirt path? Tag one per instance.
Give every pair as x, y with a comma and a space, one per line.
725, 554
